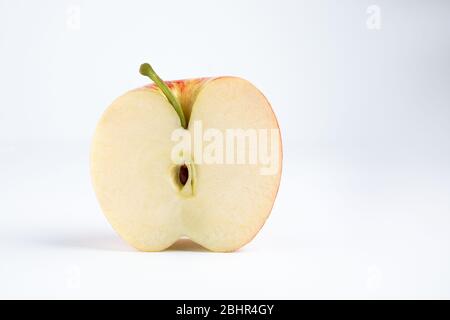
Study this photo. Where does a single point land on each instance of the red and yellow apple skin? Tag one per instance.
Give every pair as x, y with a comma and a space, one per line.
135, 178
185, 91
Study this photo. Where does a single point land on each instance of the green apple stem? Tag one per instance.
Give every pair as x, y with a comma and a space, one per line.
147, 70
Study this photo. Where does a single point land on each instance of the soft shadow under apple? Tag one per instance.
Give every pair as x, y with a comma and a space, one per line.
111, 242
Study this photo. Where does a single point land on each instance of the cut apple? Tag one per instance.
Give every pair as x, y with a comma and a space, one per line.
152, 201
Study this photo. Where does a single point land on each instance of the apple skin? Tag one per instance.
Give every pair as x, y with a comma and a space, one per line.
186, 91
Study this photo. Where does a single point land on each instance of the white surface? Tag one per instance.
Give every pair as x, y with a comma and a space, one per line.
363, 210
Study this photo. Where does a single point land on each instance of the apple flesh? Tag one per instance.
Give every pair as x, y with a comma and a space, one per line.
152, 202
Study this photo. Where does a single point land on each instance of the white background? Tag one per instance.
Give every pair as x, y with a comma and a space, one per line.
364, 205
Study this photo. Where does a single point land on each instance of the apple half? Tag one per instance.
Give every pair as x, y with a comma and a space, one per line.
152, 201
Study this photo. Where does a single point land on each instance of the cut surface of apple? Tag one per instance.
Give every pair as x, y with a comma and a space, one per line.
150, 200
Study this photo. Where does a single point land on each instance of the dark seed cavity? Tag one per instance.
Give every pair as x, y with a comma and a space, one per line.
183, 174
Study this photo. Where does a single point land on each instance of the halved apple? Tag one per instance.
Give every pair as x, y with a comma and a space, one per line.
150, 199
